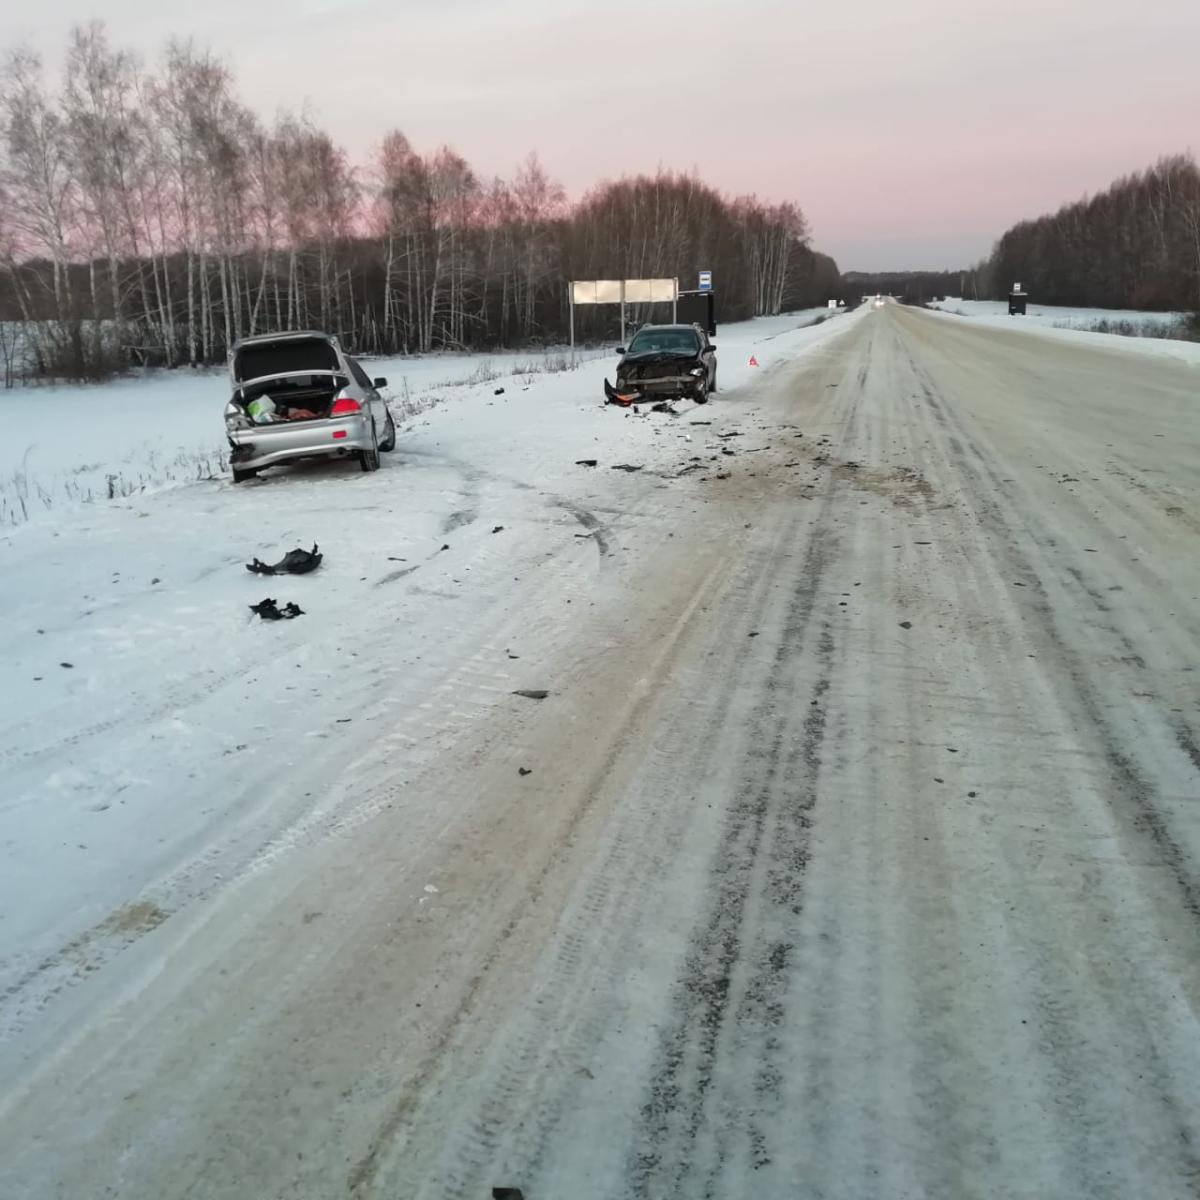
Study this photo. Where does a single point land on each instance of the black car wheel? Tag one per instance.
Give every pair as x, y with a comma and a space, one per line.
240, 476
368, 460
389, 436
700, 395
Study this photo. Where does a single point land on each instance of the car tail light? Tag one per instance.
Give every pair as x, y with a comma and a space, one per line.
343, 405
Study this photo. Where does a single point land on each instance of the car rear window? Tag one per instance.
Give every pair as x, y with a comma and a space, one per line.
672, 341
281, 358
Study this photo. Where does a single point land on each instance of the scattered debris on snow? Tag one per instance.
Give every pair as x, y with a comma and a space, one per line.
294, 562
270, 611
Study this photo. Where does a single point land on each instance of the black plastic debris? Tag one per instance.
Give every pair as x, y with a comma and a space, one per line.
523, 771
625, 467
270, 611
586, 462
294, 562
532, 693
498, 529
498, 392
503, 1193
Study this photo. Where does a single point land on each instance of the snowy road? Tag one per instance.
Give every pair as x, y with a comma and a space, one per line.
859, 854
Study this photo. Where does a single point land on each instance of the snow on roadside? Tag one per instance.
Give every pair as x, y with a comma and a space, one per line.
67, 445
154, 735
1073, 324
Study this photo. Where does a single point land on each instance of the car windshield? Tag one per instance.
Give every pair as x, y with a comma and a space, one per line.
667, 341
263, 359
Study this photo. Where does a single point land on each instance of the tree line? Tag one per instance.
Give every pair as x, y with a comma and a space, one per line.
1134, 245
147, 216
915, 287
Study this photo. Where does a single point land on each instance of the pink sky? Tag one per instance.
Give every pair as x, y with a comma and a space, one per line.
911, 132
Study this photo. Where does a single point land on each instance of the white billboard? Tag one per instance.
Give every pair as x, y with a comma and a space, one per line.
650, 291
627, 291
596, 291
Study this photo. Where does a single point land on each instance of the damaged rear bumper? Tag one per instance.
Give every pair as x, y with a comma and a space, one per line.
267, 445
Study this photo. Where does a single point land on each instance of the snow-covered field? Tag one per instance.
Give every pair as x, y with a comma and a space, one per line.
1156, 324
1161, 330
147, 714
66, 445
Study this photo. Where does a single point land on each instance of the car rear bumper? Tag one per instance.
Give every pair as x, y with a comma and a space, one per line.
267, 445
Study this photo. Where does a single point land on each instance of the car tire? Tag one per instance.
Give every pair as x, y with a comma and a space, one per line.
389, 436
712, 387
241, 476
700, 395
368, 460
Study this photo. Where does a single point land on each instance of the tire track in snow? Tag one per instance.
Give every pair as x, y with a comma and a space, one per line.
750, 872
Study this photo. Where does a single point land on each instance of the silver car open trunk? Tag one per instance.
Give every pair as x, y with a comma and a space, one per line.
302, 375
307, 396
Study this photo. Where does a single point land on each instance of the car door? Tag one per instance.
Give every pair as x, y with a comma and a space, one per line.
371, 396
708, 356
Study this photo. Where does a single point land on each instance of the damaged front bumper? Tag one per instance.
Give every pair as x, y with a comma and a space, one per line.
668, 387
625, 396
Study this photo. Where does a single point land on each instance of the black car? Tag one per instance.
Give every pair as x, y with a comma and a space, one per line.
665, 362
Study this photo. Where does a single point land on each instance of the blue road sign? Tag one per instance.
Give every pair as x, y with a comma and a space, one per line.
706, 281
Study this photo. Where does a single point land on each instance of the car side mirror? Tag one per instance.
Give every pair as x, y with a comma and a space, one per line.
380, 382
620, 349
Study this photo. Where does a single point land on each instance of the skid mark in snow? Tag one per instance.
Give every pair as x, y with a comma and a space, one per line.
75, 961
595, 527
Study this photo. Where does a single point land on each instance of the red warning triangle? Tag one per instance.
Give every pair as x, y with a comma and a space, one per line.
753, 361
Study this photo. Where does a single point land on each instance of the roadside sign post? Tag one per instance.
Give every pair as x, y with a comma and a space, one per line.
622, 292
571, 303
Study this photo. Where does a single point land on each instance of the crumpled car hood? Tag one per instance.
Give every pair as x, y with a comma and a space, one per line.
656, 365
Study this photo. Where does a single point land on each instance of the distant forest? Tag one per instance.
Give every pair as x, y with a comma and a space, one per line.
1134, 245
147, 216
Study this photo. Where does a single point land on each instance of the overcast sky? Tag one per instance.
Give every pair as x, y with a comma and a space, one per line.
911, 132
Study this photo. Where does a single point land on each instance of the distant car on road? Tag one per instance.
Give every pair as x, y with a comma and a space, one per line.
665, 362
300, 395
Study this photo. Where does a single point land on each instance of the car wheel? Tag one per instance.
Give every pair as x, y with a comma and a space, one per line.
712, 387
389, 436
700, 395
240, 476
368, 460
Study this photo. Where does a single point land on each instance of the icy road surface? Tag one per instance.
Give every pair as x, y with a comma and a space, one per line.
858, 856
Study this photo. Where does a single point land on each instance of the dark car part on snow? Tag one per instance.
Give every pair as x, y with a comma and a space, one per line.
586, 462
625, 467
294, 562
503, 1193
270, 611
532, 693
